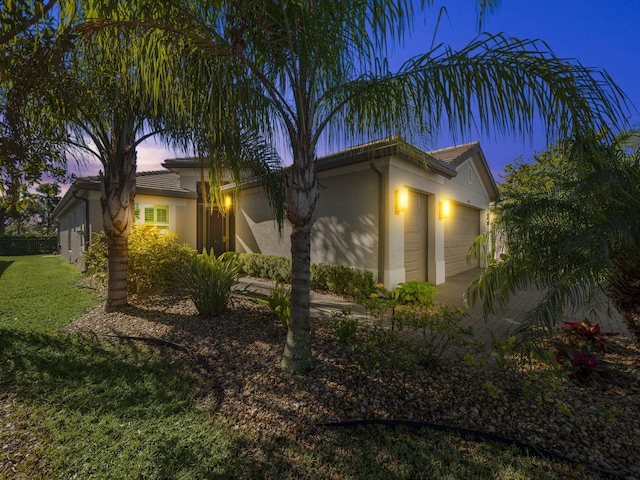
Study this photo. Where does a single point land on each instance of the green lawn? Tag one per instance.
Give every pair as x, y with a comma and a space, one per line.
80, 407
39, 293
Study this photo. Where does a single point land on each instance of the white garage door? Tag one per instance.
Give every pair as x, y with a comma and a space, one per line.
460, 229
415, 238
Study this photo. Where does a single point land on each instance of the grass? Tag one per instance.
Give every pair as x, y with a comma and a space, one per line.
82, 407
39, 293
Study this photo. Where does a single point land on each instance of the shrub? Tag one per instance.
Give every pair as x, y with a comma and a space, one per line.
415, 293
417, 337
379, 304
578, 334
433, 331
337, 279
584, 365
96, 257
280, 302
209, 280
344, 327
342, 280
580, 350
270, 267
154, 261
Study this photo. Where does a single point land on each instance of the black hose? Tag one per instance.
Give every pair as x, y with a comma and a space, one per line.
473, 434
164, 343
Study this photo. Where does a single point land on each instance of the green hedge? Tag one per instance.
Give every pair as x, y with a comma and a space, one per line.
338, 279
14, 246
270, 267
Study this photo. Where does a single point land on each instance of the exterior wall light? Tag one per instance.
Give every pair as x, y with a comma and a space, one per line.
402, 200
445, 209
227, 202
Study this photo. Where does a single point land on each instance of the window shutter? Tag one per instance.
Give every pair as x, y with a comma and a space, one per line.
149, 216
162, 215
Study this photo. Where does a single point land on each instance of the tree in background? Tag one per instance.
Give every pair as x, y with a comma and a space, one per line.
34, 215
30, 135
570, 221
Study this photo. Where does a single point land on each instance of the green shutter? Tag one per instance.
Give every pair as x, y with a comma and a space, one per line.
149, 215
162, 215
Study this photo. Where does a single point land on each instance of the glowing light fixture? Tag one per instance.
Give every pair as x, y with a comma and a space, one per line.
445, 209
402, 200
227, 202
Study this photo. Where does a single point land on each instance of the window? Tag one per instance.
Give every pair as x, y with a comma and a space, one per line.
157, 215
469, 174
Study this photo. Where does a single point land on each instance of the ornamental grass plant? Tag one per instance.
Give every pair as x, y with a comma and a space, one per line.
209, 280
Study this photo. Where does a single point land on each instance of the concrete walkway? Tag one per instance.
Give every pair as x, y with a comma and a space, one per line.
452, 293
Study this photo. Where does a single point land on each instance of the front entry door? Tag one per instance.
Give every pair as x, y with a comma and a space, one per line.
215, 228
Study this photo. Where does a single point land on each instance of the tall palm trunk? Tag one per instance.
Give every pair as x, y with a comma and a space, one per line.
302, 210
117, 197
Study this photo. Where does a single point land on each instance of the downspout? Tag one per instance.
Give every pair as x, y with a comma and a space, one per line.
203, 192
87, 233
381, 220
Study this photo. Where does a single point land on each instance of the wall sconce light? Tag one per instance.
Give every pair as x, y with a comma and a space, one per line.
402, 200
227, 202
445, 209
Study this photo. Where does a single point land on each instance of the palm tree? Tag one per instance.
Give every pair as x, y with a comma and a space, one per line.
110, 115
571, 224
319, 69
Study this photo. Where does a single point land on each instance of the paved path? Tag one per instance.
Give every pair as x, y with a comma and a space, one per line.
452, 293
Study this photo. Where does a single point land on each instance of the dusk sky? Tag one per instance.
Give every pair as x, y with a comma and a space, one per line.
599, 34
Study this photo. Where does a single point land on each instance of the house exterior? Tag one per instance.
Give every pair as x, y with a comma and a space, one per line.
160, 200
361, 222
385, 206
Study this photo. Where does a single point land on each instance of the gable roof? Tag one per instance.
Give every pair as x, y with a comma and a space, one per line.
159, 182
386, 147
457, 155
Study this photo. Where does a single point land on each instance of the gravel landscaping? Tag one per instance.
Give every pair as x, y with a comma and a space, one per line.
240, 352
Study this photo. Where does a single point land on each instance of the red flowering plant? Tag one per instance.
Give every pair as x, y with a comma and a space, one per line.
580, 352
584, 333
584, 365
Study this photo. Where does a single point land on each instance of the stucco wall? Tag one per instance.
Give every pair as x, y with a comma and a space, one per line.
344, 233
182, 215
75, 230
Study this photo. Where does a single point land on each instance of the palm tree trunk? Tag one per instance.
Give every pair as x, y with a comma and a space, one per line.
117, 197
297, 352
302, 210
118, 254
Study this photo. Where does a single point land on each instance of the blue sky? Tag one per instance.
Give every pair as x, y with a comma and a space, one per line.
599, 34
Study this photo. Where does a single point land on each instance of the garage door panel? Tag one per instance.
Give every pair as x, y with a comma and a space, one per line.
415, 238
461, 229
